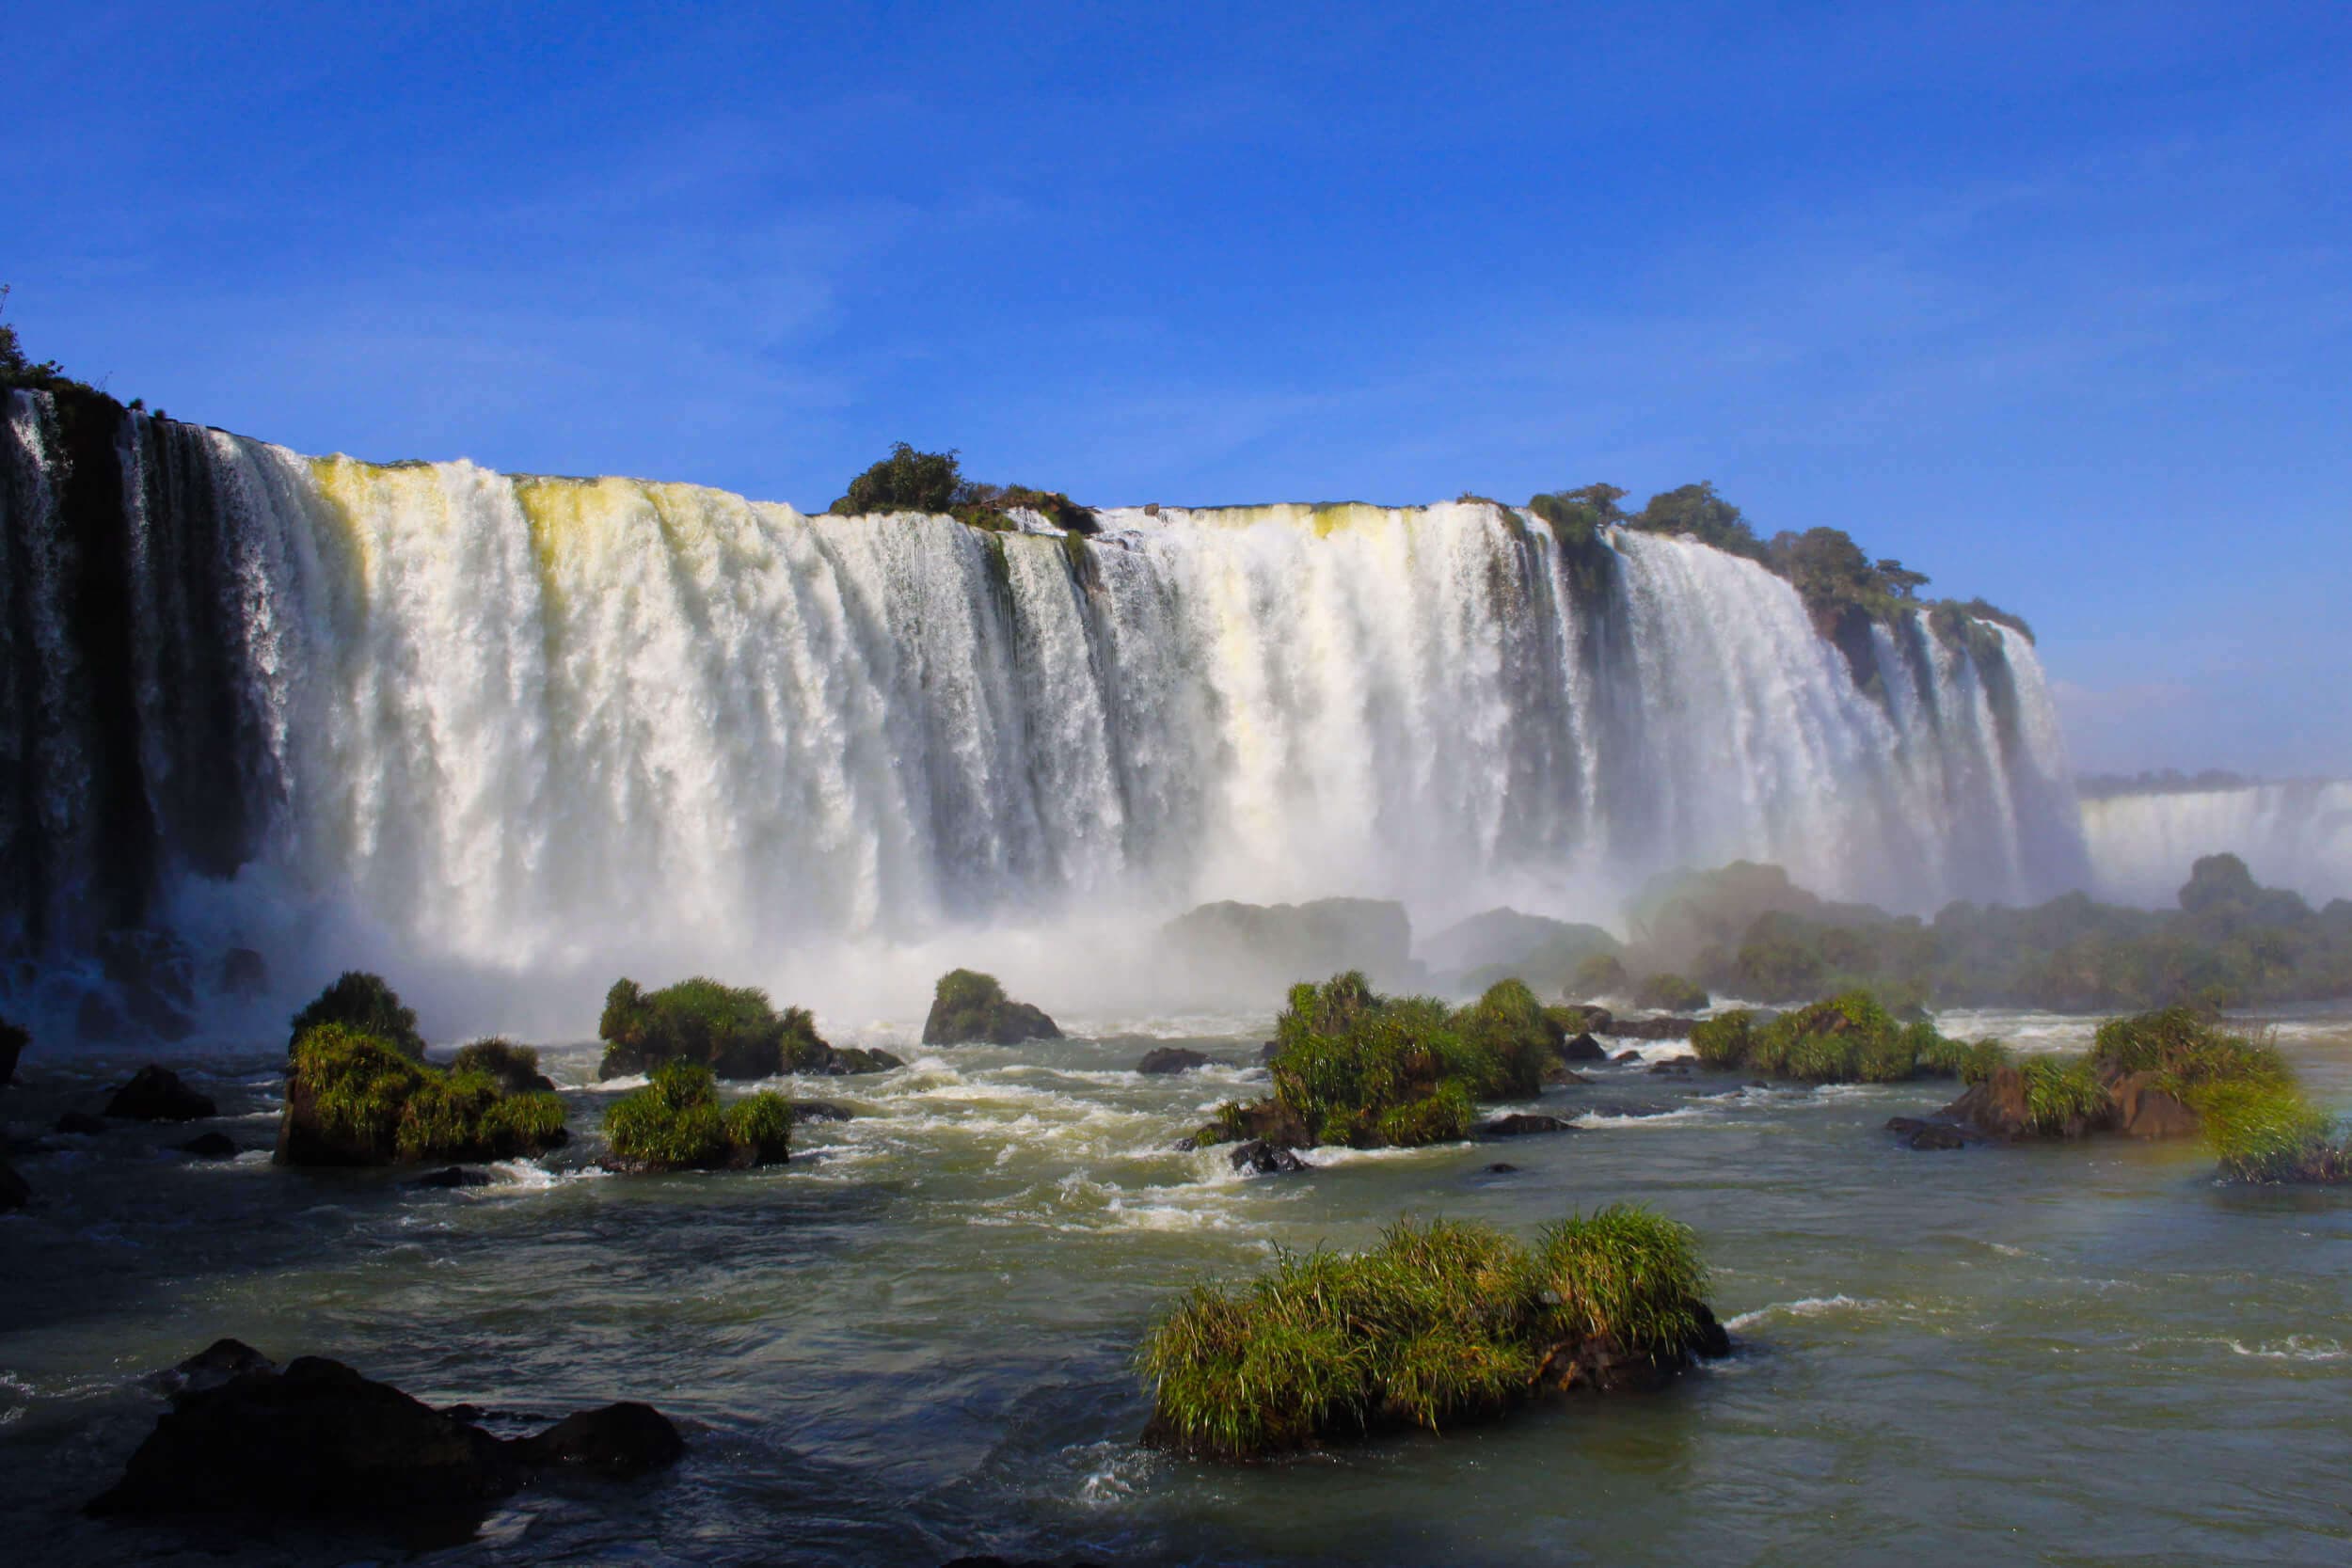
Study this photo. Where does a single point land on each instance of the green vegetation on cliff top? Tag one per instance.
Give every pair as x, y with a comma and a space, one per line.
933, 482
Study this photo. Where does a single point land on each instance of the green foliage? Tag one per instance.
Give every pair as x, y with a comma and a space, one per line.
2186, 1050
1699, 512
969, 1008
1848, 1038
2271, 1132
2063, 1096
676, 1122
366, 1003
1442, 1322
372, 1098
515, 1068
1669, 993
933, 482
19, 373
1578, 516
1596, 975
733, 1030
1510, 1027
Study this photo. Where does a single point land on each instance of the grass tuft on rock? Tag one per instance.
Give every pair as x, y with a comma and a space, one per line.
1669, 993
514, 1067
1443, 1322
1848, 1038
677, 1122
971, 1008
735, 1031
355, 1098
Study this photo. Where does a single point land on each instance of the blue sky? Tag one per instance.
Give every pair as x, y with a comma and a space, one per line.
2051, 301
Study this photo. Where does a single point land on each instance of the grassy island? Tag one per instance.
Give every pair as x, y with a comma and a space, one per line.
1442, 1322
971, 1008
1845, 1039
677, 1122
735, 1031
1355, 1068
357, 1098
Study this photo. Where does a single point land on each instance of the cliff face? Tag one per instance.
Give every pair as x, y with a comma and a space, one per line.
529, 720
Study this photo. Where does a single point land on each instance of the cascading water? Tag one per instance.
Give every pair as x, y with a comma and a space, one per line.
527, 728
2295, 835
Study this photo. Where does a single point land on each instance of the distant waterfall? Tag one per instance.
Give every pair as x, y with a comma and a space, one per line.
533, 724
2291, 835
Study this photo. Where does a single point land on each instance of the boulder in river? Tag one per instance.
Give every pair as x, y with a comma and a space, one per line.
1583, 1048
1520, 1124
1929, 1135
450, 1177
1265, 1159
82, 1124
210, 1367
1172, 1059
1658, 1026
14, 1193
2143, 1109
318, 1440
13, 1039
971, 1008
212, 1146
156, 1094
821, 1110
842, 1061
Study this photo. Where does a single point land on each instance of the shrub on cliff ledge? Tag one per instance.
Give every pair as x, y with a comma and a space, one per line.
677, 1122
363, 1002
1441, 1322
355, 1098
732, 1030
933, 482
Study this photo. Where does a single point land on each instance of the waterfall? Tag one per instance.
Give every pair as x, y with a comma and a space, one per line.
525, 725
2295, 835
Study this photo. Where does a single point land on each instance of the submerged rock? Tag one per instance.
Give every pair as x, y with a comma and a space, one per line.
1502, 1167
971, 1008
82, 1124
618, 1442
244, 1440
1520, 1124
1658, 1026
1929, 1135
156, 1094
212, 1146
13, 1039
1265, 1159
841, 1061
451, 1176
821, 1110
1172, 1059
14, 1193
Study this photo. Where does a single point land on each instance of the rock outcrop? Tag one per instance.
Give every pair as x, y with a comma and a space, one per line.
971, 1008
1172, 1059
156, 1094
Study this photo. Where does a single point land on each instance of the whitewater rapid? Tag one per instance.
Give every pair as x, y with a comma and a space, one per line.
513, 725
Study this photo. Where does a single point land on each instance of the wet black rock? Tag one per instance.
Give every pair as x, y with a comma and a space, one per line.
1520, 1124
452, 1176
1624, 1059
1710, 1338
1267, 1052
1658, 1026
212, 1146
1677, 1069
821, 1110
156, 1094
215, 1363
1583, 1048
1927, 1136
841, 1061
1265, 1159
82, 1122
1502, 1167
1170, 1059
14, 1194
13, 1039
243, 972
618, 1442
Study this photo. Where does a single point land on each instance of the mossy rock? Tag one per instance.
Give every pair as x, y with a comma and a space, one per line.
1669, 993
1848, 1038
515, 1068
355, 1098
733, 1030
971, 1008
677, 1122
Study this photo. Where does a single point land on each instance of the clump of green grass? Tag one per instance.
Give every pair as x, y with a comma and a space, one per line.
1440, 1322
2186, 1050
1970, 1064
2064, 1097
1509, 1025
2271, 1132
364, 1001
354, 1097
1848, 1038
514, 1067
1671, 994
733, 1030
677, 1122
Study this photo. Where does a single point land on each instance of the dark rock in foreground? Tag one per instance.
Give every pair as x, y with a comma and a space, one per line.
82, 1123
14, 1194
1502, 1167
842, 1061
1658, 1026
618, 1442
212, 1146
1266, 1159
156, 1094
1520, 1124
1929, 1135
1583, 1048
1172, 1059
215, 1363
452, 1176
821, 1110
318, 1440
13, 1039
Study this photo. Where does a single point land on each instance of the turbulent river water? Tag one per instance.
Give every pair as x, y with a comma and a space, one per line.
915, 1340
